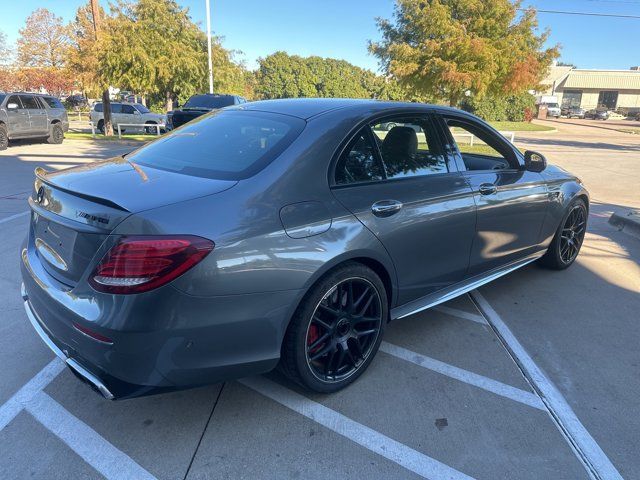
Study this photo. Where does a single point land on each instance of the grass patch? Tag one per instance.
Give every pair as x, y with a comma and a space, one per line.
113, 138
520, 127
634, 131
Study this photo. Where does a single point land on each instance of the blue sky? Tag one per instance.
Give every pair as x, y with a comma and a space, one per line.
341, 28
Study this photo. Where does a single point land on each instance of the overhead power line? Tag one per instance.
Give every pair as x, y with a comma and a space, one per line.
586, 14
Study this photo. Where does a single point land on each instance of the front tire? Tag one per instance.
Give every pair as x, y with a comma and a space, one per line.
336, 330
56, 134
566, 243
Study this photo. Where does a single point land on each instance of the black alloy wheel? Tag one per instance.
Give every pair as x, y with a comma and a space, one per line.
566, 243
572, 233
336, 330
343, 330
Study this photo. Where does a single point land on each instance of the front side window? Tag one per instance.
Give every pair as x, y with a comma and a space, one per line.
226, 145
15, 99
359, 162
408, 148
30, 102
480, 149
142, 108
128, 109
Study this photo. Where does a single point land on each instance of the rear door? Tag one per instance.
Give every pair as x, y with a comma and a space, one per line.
402, 187
511, 201
37, 115
18, 117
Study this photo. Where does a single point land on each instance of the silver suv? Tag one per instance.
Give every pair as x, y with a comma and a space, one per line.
127, 114
31, 115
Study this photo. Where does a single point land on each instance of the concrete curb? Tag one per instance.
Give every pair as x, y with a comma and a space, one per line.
627, 221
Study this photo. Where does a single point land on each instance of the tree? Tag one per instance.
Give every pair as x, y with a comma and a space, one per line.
43, 41
446, 48
153, 47
5, 51
285, 76
82, 58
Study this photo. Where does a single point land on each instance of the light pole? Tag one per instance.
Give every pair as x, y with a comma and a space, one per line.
209, 47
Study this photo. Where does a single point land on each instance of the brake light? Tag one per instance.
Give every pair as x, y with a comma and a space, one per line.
140, 264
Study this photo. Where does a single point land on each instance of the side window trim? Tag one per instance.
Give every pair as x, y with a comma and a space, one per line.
456, 151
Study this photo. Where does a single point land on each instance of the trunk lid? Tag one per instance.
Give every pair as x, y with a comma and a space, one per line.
74, 210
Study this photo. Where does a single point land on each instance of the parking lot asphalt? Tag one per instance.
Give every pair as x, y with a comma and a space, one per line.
534, 376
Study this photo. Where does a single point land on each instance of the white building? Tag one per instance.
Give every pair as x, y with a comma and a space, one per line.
613, 89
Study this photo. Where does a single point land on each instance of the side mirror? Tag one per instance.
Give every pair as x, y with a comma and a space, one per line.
12, 106
534, 161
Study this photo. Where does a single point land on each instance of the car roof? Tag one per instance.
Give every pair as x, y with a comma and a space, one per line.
307, 108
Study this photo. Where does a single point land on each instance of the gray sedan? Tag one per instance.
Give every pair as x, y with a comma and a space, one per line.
282, 233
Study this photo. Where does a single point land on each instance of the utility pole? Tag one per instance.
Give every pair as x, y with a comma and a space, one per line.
208, 46
106, 101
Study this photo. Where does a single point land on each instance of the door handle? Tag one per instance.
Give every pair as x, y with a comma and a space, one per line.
386, 208
487, 189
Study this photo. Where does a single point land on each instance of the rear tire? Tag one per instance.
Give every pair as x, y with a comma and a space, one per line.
4, 137
56, 134
101, 126
336, 330
566, 243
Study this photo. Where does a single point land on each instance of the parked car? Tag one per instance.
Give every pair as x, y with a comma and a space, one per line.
597, 114
553, 110
199, 105
282, 232
76, 101
127, 113
30, 115
573, 112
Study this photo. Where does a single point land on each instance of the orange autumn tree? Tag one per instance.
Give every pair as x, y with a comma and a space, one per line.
446, 49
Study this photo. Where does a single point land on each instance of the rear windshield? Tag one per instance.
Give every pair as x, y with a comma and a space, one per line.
226, 144
208, 101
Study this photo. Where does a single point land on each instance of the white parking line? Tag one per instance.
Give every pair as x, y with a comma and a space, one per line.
461, 314
370, 439
93, 448
16, 403
589, 452
13, 217
488, 384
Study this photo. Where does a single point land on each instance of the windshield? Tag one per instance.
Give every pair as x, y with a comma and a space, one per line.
142, 108
208, 101
226, 145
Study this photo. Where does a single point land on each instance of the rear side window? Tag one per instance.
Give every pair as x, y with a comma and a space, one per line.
52, 102
359, 162
226, 145
30, 102
98, 107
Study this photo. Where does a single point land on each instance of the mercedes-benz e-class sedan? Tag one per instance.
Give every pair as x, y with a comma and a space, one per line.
285, 232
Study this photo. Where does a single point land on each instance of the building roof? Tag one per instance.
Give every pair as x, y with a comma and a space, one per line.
556, 74
603, 79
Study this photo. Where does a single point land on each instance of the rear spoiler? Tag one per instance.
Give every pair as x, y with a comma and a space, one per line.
43, 176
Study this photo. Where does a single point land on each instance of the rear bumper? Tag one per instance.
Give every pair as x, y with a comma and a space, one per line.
162, 340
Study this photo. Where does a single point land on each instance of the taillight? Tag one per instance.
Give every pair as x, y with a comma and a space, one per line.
140, 264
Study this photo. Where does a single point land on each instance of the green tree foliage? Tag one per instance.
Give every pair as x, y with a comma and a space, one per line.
43, 41
83, 54
153, 47
448, 47
281, 75
512, 108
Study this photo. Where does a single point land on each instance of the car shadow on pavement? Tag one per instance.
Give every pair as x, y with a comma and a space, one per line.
547, 141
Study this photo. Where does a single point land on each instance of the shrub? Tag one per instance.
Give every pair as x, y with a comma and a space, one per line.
512, 108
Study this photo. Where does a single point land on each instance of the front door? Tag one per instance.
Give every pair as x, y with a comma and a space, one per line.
18, 117
394, 177
511, 202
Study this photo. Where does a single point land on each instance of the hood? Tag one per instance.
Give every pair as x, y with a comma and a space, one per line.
129, 186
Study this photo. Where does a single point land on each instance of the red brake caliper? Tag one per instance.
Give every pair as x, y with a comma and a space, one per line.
313, 335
